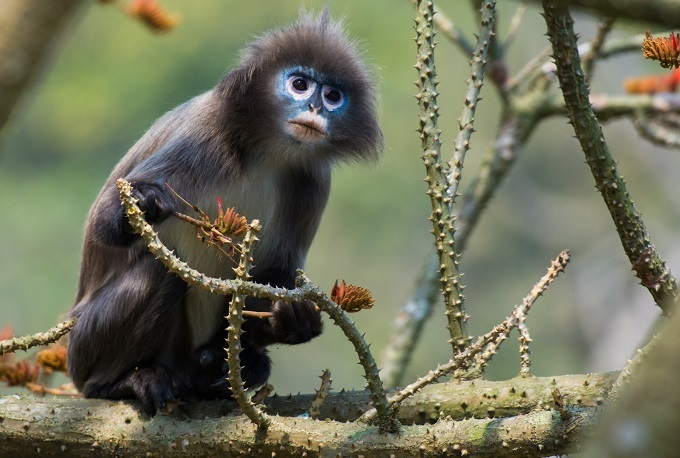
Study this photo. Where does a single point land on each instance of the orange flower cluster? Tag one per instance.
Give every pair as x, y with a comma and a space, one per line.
19, 373
351, 298
653, 84
664, 49
229, 222
52, 358
153, 15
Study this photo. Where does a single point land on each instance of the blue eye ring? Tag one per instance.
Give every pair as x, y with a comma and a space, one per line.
332, 97
299, 87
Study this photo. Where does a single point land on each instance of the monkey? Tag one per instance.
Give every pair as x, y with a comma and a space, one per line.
264, 139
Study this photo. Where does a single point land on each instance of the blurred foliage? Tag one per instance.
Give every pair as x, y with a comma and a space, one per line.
113, 78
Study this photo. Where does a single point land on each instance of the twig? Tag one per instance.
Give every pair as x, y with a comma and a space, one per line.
646, 261
524, 340
321, 394
445, 25
234, 331
41, 338
515, 22
196, 222
387, 421
251, 314
475, 82
454, 308
484, 344
521, 310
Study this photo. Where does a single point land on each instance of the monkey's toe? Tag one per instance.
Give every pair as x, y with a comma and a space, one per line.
156, 386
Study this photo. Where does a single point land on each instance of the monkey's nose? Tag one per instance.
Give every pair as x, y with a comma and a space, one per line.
313, 109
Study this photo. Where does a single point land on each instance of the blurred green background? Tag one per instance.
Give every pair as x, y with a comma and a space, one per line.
113, 77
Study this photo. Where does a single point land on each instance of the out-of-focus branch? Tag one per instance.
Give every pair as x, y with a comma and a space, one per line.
662, 12
30, 31
645, 259
643, 420
409, 323
596, 44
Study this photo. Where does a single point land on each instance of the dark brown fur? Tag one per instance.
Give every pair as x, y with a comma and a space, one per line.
141, 331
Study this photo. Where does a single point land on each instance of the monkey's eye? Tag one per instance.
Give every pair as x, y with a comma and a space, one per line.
332, 98
300, 87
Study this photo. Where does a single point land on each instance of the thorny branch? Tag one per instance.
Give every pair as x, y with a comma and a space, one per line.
40, 338
531, 96
485, 347
234, 331
645, 259
304, 290
442, 215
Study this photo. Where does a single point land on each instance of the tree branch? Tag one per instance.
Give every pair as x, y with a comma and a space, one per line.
78, 426
40, 338
30, 30
646, 261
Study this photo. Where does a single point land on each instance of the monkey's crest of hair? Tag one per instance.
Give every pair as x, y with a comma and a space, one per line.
312, 42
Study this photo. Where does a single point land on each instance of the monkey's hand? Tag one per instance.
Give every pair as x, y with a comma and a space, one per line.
291, 323
109, 224
155, 200
295, 322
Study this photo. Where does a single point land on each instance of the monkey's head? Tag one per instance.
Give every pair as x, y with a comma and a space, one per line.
303, 93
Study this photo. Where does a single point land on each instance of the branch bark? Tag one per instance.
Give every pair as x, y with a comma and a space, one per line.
101, 427
30, 30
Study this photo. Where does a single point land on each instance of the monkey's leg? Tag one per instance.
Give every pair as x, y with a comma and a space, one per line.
124, 342
155, 386
210, 369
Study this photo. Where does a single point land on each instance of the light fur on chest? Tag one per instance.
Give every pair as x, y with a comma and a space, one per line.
255, 197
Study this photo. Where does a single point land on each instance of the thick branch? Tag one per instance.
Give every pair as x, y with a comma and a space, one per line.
75, 427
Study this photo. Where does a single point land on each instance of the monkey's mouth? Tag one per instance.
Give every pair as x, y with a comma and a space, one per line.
308, 128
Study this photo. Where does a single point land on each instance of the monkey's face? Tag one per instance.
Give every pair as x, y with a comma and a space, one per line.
311, 103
